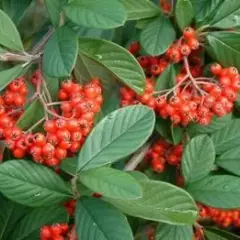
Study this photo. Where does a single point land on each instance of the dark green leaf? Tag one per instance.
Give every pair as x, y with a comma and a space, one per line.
33, 185
224, 48
198, 158
9, 35
166, 79
217, 234
163, 127
158, 36
92, 13
216, 191
227, 137
117, 59
31, 115
95, 220
29, 226
173, 232
184, 13
112, 183
69, 165
177, 134
53, 87
140, 9
60, 53
161, 202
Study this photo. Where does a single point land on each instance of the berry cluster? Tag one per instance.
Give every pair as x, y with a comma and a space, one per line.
223, 218
65, 134
54, 232
162, 152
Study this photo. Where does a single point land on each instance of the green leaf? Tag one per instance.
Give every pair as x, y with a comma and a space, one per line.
69, 165
184, 13
112, 183
165, 80
230, 161
216, 191
28, 228
224, 48
161, 202
158, 36
98, 220
140, 9
53, 87
177, 134
9, 35
116, 59
173, 232
217, 234
118, 135
163, 127
33, 185
9, 75
138, 175
92, 13
31, 115
54, 8
216, 124
60, 53
198, 158
227, 137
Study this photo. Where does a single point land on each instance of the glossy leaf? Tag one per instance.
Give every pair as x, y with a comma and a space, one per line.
33, 185
161, 202
95, 220
217, 191
116, 59
165, 80
9, 35
102, 14
28, 228
140, 9
157, 36
198, 158
177, 232
184, 13
227, 137
112, 183
60, 53
118, 135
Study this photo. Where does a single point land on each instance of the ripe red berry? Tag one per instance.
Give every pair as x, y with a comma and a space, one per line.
216, 69
189, 33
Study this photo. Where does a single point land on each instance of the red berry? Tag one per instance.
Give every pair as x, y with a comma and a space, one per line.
189, 33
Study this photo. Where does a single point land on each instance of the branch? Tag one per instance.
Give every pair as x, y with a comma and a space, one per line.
6, 57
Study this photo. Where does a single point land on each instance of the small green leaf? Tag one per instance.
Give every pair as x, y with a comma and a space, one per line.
140, 9
31, 115
165, 80
9, 75
184, 13
163, 127
198, 158
218, 234
173, 232
230, 161
60, 53
217, 191
118, 135
95, 220
28, 228
161, 202
158, 36
92, 13
224, 48
116, 59
112, 183
33, 185
177, 134
9, 35
69, 165
227, 137
53, 87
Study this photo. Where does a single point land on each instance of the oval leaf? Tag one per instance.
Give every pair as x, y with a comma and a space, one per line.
9, 35
112, 183
29, 226
102, 14
60, 53
228, 137
198, 158
217, 234
184, 13
117, 59
31, 184
216, 191
173, 232
118, 135
158, 36
95, 220
161, 202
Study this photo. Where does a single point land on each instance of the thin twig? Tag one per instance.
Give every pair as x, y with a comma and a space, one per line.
35, 125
